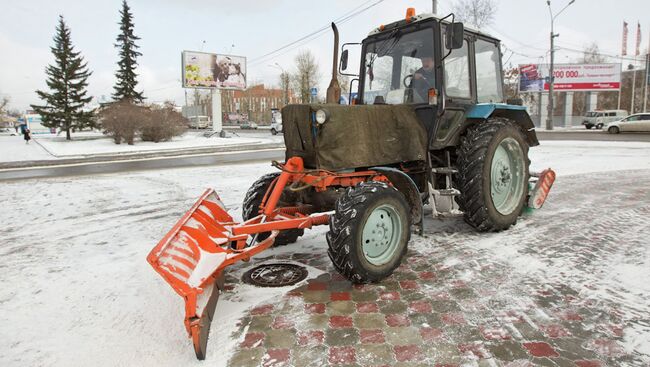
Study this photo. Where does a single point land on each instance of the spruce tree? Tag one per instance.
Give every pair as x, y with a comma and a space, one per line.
126, 76
67, 81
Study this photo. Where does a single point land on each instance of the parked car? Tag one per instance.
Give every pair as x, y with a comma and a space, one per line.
199, 122
600, 118
248, 125
639, 122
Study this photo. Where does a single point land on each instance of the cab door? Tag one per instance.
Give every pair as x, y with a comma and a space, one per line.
458, 92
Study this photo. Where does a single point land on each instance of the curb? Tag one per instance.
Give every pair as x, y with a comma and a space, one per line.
135, 156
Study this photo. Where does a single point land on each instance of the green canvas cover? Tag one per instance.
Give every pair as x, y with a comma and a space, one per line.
354, 136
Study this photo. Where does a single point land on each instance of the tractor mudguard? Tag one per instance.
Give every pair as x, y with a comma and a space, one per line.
404, 184
518, 114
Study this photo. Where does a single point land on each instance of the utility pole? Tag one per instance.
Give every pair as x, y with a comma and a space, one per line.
284, 77
434, 6
645, 81
549, 118
633, 87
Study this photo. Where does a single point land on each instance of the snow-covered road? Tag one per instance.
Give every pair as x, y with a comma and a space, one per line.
77, 291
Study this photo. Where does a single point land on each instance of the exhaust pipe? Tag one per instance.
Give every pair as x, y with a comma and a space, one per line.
334, 89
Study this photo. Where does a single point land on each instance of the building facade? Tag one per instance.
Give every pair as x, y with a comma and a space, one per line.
256, 102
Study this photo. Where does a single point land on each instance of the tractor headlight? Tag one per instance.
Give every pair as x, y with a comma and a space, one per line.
322, 116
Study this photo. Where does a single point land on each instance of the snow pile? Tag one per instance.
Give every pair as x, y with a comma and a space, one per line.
59, 147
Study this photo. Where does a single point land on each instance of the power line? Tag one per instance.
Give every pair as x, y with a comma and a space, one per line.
602, 54
322, 29
315, 34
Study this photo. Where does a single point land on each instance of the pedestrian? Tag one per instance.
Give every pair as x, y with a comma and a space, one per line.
27, 136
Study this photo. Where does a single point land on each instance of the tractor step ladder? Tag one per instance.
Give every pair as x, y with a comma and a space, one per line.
448, 192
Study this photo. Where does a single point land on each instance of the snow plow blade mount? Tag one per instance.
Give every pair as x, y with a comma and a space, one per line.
192, 256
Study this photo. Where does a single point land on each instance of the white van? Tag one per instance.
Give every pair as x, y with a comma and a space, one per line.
199, 122
600, 118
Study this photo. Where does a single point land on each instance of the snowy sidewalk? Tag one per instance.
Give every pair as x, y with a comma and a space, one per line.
47, 150
14, 149
104, 146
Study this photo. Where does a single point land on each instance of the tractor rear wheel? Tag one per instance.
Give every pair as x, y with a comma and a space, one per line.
493, 174
251, 208
369, 232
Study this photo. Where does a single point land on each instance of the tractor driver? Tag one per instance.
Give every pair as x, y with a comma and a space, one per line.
424, 79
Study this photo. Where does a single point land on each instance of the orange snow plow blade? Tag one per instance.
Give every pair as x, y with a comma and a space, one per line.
192, 256
539, 193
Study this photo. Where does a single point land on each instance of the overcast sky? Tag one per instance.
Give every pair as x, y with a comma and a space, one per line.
253, 28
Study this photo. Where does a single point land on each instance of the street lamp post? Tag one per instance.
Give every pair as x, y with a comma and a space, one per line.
285, 80
549, 118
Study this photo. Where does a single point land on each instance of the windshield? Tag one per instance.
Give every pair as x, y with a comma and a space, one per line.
590, 114
400, 68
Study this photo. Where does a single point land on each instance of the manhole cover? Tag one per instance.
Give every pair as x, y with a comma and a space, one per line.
275, 275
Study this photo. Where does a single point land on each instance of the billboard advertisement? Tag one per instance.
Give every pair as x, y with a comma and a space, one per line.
570, 77
207, 70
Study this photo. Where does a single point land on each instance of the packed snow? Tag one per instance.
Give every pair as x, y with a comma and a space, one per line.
14, 149
101, 145
78, 291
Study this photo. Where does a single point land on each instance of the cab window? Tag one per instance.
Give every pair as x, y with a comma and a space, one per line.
488, 72
399, 68
457, 72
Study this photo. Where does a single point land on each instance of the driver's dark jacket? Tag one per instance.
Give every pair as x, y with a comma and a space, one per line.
422, 86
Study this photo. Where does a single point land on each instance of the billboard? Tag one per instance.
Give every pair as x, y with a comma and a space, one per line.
570, 77
207, 70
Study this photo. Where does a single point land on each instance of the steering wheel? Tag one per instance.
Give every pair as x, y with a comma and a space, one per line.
410, 77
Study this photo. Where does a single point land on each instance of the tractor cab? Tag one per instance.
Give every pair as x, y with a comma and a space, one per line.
438, 66
404, 60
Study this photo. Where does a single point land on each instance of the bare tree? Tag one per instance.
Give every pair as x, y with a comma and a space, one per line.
478, 13
306, 75
285, 84
592, 55
4, 102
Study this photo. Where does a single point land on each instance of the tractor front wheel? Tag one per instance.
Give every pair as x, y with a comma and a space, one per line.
493, 174
369, 232
251, 208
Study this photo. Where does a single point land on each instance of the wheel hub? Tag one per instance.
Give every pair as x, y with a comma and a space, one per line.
381, 234
507, 173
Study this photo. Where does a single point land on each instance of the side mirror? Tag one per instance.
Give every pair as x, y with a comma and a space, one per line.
344, 60
454, 35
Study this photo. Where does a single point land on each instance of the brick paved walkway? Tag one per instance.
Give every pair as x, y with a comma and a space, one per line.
540, 294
